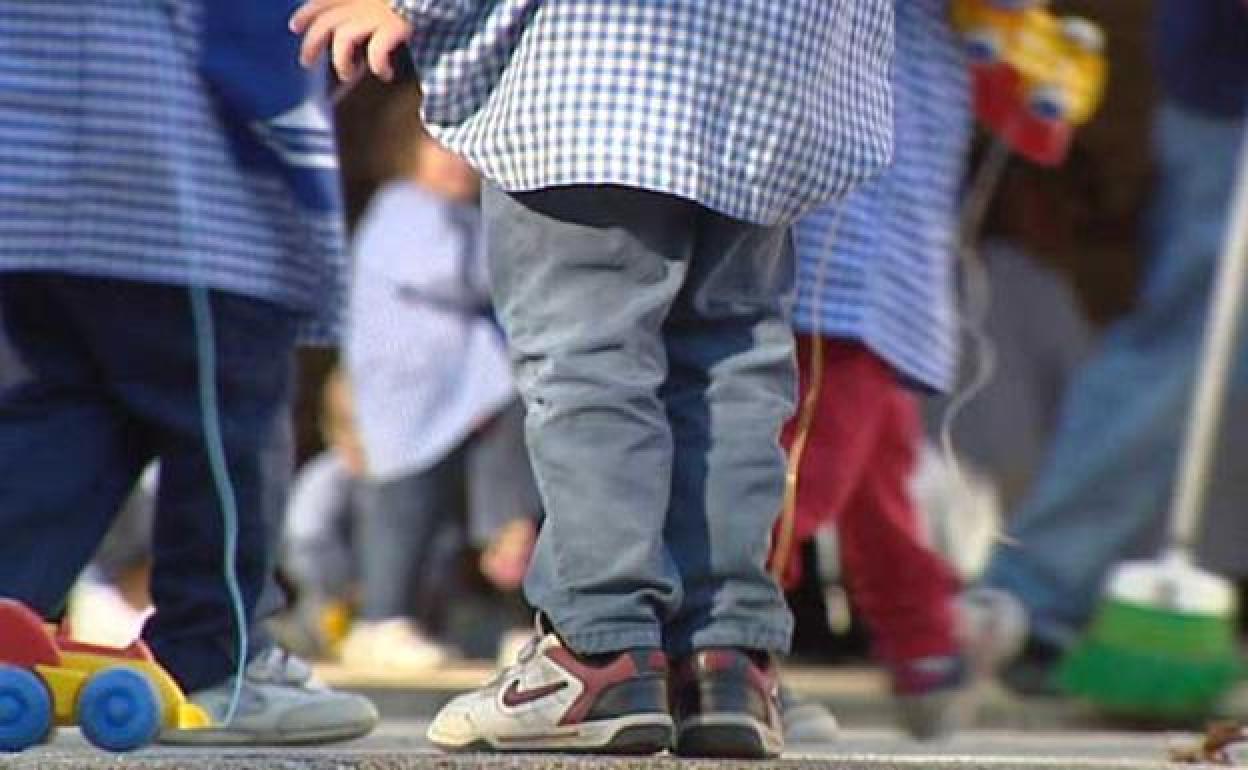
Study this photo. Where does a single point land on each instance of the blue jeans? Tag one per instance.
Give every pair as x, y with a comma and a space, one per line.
652, 353
1105, 490
105, 381
411, 529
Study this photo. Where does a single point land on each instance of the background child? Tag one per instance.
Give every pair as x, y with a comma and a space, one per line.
645, 162
438, 415
874, 314
321, 525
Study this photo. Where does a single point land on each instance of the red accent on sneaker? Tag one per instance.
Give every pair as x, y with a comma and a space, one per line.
715, 660
692, 673
598, 679
513, 697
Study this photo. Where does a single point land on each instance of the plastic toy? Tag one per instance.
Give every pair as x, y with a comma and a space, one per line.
119, 697
1035, 76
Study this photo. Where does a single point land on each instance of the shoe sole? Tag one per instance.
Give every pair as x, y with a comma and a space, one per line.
220, 736
938, 716
929, 718
728, 736
637, 735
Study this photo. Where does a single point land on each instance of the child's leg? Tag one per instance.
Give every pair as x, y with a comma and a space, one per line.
847, 415
730, 389
409, 536
68, 455
156, 370
400, 525
583, 279
904, 589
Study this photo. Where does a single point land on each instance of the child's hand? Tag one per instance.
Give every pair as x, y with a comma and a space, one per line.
341, 26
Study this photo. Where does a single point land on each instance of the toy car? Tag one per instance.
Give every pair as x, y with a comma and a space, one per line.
1035, 76
119, 697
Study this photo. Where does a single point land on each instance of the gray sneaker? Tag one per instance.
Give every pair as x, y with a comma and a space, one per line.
993, 628
806, 721
281, 704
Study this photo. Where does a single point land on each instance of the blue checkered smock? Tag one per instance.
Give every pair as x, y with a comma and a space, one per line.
887, 263
115, 162
758, 109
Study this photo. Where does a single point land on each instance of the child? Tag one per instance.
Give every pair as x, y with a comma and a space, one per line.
644, 160
1101, 494
321, 522
438, 415
874, 314
137, 165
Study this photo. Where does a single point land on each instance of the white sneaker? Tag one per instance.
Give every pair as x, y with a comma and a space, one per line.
281, 704
395, 645
551, 701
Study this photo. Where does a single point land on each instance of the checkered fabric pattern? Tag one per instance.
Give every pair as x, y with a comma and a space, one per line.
758, 109
115, 162
878, 267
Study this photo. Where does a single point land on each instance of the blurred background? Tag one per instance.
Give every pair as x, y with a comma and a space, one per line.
1067, 251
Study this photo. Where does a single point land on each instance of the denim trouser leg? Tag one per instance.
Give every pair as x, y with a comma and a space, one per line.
731, 385
585, 279
1106, 487
193, 633
107, 382
68, 459
403, 526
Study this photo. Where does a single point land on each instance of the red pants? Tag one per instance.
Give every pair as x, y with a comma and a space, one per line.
860, 450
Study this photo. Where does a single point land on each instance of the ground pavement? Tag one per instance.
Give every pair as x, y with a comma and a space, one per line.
1010, 735
401, 746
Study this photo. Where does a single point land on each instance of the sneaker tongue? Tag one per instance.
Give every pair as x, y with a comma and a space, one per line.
276, 666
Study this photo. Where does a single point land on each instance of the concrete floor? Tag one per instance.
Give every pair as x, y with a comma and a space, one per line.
400, 745
1009, 734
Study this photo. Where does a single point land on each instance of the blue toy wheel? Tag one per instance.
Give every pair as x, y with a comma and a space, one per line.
119, 710
25, 709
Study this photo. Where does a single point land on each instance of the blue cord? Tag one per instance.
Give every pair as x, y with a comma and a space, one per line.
206, 348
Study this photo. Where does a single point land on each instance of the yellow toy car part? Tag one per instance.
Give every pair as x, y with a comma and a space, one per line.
120, 697
1036, 76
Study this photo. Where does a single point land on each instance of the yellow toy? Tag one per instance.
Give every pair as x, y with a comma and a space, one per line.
1036, 76
119, 697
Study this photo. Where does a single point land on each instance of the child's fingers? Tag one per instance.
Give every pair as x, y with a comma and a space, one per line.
320, 32
316, 38
301, 18
382, 44
347, 38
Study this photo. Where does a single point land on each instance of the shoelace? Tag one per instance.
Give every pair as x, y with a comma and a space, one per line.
277, 666
526, 653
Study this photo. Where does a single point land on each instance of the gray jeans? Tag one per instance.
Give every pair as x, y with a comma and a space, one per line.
651, 350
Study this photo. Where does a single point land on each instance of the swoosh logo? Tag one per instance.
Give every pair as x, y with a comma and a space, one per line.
514, 697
